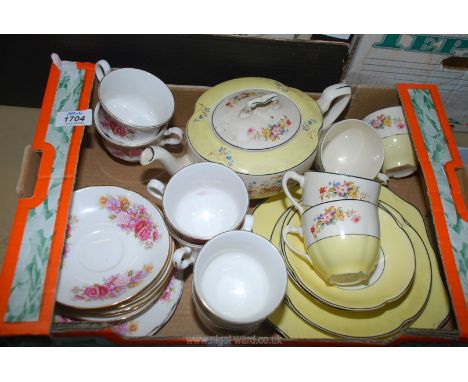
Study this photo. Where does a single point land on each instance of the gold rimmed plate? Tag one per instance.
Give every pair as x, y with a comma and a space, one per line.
117, 245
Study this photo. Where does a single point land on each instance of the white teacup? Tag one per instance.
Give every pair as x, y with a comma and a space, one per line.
203, 200
351, 147
136, 99
390, 124
319, 187
239, 279
342, 239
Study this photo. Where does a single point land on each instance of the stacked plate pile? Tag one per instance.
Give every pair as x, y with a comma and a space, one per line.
405, 290
117, 261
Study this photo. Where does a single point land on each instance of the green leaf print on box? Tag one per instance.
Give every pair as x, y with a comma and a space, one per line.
28, 282
439, 155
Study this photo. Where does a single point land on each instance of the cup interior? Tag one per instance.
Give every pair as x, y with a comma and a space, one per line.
240, 277
352, 147
205, 199
136, 98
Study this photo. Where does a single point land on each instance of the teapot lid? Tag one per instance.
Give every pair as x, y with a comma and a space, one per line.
255, 126
256, 119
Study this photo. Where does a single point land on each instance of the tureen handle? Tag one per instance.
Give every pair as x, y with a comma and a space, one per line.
327, 97
102, 68
259, 101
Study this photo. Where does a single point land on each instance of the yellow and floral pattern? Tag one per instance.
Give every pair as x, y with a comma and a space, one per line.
210, 146
330, 216
344, 190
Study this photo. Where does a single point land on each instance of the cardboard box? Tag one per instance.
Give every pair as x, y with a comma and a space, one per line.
97, 167
385, 60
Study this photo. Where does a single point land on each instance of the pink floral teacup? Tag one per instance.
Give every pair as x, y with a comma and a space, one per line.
342, 240
390, 124
137, 100
319, 187
127, 150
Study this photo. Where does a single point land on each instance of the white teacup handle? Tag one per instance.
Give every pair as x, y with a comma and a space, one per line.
382, 178
156, 188
299, 179
325, 100
298, 230
184, 257
102, 68
248, 223
173, 141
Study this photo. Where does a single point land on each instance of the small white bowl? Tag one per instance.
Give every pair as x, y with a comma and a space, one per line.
351, 147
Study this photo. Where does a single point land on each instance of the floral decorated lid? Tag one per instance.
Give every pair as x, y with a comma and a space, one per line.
255, 126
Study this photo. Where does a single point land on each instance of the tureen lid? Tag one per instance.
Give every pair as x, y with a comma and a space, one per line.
255, 126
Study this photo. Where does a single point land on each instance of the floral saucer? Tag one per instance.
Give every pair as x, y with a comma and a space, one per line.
153, 319
391, 279
117, 245
135, 307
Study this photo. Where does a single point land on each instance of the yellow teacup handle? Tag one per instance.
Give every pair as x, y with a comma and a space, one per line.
297, 230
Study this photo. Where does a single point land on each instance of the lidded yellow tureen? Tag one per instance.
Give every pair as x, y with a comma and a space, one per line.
258, 127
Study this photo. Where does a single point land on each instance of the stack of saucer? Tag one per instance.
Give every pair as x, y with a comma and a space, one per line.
405, 289
117, 259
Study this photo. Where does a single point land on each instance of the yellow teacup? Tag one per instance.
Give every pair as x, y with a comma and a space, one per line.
342, 240
399, 157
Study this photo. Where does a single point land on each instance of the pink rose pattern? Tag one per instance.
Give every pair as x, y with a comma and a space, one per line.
113, 286
166, 296
122, 153
131, 218
382, 121
108, 123
330, 216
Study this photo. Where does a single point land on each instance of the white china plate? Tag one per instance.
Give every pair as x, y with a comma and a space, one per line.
152, 319
155, 317
117, 244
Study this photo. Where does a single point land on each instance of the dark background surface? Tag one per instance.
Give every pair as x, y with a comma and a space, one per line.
175, 59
